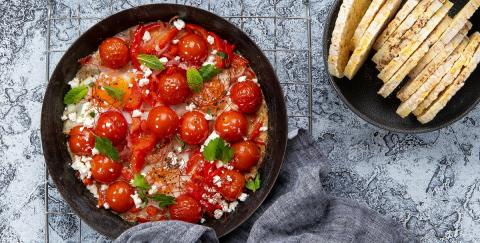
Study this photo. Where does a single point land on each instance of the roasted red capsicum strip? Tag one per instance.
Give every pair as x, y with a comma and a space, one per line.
137, 40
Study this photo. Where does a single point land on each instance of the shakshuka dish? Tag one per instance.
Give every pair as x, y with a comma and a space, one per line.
166, 120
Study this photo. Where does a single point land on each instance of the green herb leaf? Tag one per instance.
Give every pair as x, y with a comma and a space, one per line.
223, 55
140, 182
105, 147
75, 95
254, 184
115, 93
217, 149
209, 71
150, 61
163, 200
92, 114
194, 80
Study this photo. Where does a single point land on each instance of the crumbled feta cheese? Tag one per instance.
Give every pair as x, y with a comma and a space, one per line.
210, 39
74, 82
263, 129
147, 91
177, 58
214, 52
232, 206
93, 189
95, 151
90, 80
179, 24
228, 167
202, 220
217, 181
209, 117
210, 60
255, 80
190, 107
142, 82
146, 36
242, 78
72, 116
130, 85
146, 71
103, 187
163, 60
219, 164
153, 189
106, 205
243, 197
82, 165
173, 158
137, 200
64, 118
217, 213
229, 178
175, 41
136, 113
212, 136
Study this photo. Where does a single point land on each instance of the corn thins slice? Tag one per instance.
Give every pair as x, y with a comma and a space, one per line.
438, 22
412, 61
348, 18
395, 23
361, 51
413, 101
366, 20
459, 21
451, 90
413, 84
451, 74
394, 45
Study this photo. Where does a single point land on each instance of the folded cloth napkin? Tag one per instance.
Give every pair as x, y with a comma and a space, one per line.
297, 210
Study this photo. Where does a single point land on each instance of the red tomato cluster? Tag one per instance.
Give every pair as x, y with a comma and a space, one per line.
167, 88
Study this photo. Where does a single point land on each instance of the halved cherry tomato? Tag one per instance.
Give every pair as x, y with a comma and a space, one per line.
233, 183
134, 99
247, 96
160, 37
172, 86
104, 169
231, 126
194, 163
137, 40
210, 94
245, 155
162, 121
118, 196
193, 48
186, 209
81, 140
143, 141
112, 125
255, 129
197, 30
193, 127
114, 53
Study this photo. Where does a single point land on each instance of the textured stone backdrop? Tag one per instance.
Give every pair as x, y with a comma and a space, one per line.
429, 182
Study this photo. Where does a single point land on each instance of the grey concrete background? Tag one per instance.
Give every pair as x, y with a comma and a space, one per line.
428, 182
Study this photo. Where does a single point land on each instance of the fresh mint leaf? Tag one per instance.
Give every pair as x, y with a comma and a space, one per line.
163, 200
209, 71
194, 80
140, 182
254, 184
74, 95
113, 92
150, 61
223, 55
105, 147
217, 149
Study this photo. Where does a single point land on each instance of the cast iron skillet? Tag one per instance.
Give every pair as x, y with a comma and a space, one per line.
54, 141
360, 93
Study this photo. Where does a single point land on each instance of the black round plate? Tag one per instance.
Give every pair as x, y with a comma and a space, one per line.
360, 93
54, 141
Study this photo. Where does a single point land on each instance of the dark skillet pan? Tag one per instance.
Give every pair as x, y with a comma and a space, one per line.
360, 94
54, 141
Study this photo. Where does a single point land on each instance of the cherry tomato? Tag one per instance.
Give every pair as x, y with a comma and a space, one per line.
245, 155
81, 140
186, 209
193, 127
137, 160
134, 100
143, 141
112, 125
233, 183
114, 53
247, 96
231, 126
104, 169
118, 196
173, 87
210, 94
192, 48
194, 163
162, 121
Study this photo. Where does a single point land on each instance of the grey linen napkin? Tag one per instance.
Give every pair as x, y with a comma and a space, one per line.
297, 210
